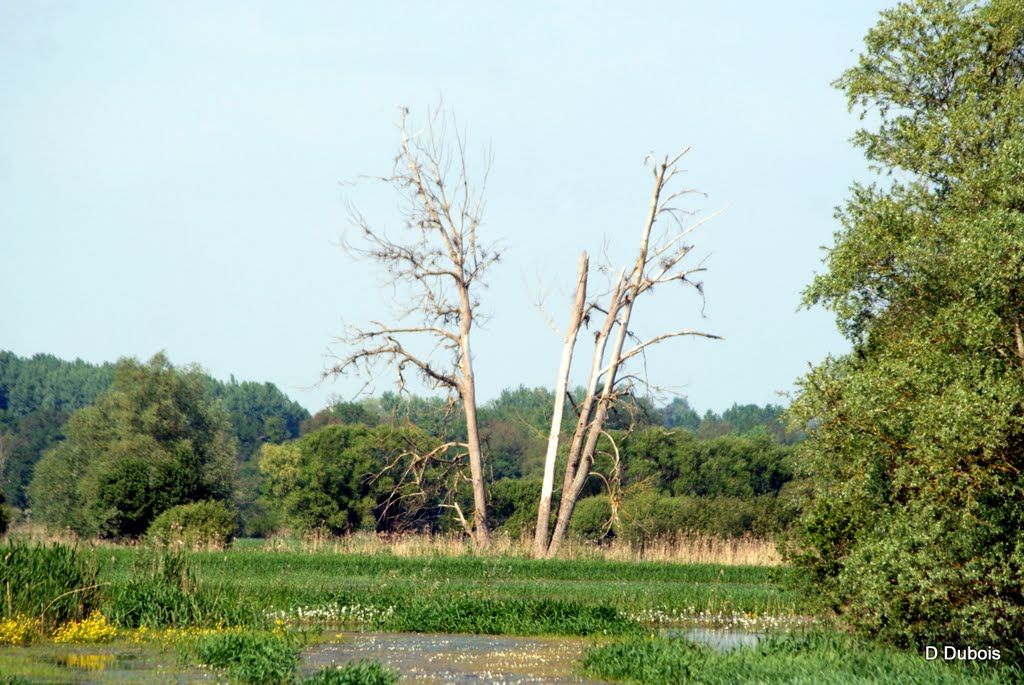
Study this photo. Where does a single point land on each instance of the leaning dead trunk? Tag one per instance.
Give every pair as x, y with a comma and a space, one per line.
540, 537
655, 263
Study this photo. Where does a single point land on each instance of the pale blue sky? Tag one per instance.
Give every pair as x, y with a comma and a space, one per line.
169, 174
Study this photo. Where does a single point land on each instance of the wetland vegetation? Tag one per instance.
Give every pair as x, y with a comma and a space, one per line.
869, 533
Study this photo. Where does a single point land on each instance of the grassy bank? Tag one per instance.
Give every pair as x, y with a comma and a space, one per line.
807, 659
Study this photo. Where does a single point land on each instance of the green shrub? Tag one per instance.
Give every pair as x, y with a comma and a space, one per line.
355, 673
591, 519
200, 525
55, 584
249, 657
651, 515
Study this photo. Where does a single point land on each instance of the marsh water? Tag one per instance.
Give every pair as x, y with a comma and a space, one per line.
428, 658
419, 657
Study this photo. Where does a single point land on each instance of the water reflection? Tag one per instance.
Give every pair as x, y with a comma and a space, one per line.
87, 662
722, 640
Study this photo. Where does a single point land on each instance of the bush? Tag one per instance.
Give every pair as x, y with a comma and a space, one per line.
590, 519
200, 525
650, 515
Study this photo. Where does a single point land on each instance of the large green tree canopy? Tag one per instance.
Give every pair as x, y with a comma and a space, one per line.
151, 442
917, 440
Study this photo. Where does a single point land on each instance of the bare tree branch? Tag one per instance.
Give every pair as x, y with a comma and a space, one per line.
438, 260
658, 261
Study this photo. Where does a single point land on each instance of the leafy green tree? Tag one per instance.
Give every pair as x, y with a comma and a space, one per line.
259, 412
48, 383
916, 440
675, 462
659, 457
21, 448
514, 504
335, 478
679, 414
153, 441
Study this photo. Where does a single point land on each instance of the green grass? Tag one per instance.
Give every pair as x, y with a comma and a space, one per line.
813, 659
254, 658
505, 617
482, 595
401, 593
54, 584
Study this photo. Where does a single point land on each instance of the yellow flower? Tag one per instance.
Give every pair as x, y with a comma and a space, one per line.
92, 629
17, 630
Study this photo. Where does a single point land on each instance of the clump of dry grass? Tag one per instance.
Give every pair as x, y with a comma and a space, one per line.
683, 548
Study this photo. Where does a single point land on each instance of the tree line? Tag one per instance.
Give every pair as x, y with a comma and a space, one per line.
156, 436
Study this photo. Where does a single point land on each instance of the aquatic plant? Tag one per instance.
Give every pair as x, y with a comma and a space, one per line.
52, 585
254, 657
355, 673
163, 590
95, 628
16, 630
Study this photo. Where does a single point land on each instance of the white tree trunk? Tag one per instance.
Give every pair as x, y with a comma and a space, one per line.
540, 538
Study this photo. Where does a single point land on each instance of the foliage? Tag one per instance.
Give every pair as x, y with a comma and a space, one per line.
52, 585
256, 657
649, 516
337, 479
259, 413
354, 673
676, 462
163, 590
45, 382
209, 524
153, 441
679, 414
485, 616
592, 520
807, 659
23, 445
916, 437
514, 504
5, 517
38, 395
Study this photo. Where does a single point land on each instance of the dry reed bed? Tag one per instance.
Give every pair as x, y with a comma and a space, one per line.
683, 548
686, 548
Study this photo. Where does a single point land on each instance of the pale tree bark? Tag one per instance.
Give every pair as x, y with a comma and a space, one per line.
440, 259
561, 388
659, 260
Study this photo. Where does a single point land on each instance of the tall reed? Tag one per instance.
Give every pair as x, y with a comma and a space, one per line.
53, 584
685, 547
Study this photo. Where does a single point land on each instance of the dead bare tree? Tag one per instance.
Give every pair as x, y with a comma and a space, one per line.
659, 260
441, 260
